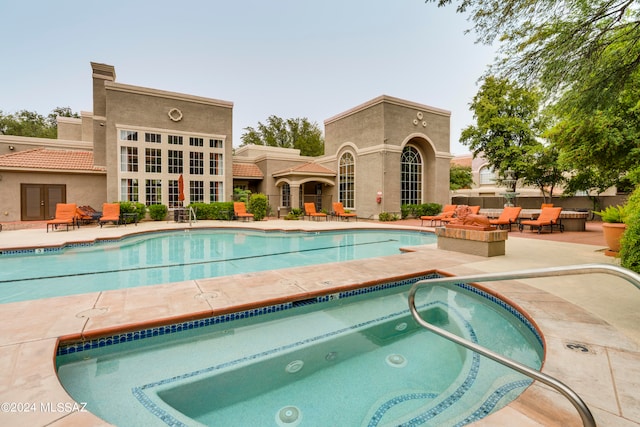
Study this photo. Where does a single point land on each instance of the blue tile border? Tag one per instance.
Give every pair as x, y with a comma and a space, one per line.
483, 410
76, 347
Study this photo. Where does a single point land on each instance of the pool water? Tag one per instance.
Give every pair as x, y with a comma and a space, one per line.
352, 359
165, 257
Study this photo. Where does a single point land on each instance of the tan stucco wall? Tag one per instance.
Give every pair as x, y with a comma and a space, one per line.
82, 189
141, 108
376, 132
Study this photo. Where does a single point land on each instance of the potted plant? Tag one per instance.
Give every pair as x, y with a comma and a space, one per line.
613, 227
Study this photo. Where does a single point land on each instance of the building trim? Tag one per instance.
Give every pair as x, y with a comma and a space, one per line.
389, 100
139, 90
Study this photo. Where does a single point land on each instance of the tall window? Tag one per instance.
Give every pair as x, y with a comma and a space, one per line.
175, 161
152, 137
128, 159
153, 160
129, 190
215, 163
346, 178
196, 163
411, 176
286, 195
196, 191
215, 191
196, 142
173, 193
153, 192
128, 135
487, 175
175, 140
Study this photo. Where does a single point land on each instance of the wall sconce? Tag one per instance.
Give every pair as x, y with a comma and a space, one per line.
11, 147
101, 124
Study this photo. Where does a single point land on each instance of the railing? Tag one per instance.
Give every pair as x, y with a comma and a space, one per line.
576, 401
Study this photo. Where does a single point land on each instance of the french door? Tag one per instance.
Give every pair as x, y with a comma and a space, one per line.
38, 201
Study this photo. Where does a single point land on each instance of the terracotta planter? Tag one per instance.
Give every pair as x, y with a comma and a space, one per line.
612, 233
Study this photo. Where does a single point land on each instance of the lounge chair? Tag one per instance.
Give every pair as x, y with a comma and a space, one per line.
110, 213
549, 217
508, 217
473, 210
86, 214
240, 211
310, 211
447, 212
338, 209
546, 205
65, 215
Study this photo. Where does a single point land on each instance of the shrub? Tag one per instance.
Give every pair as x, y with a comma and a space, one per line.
258, 205
630, 242
388, 216
158, 212
214, 210
134, 207
240, 195
417, 211
294, 214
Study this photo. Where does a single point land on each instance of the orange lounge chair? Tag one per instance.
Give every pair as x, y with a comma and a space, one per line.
549, 217
338, 208
447, 212
546, 205
508, 217
310, 211
474, 210
110, 212
86, 214
65, 215
240, 211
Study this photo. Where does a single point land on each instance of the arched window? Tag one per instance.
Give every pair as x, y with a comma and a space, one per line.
411, 176
286, 195
347, 179
487, 175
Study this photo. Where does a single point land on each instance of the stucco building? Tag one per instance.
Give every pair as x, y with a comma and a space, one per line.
137, 142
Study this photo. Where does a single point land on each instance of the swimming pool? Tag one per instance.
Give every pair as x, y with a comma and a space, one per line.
164, 257
352, 358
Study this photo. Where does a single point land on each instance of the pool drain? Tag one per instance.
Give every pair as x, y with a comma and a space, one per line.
288, 416
396, 361
401, 326
294, 366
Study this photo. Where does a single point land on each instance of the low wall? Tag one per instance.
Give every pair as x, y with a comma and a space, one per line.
472, 242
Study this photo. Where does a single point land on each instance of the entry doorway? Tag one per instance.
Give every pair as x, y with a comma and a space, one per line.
38, 201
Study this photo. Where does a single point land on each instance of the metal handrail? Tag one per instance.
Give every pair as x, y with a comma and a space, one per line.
578, 403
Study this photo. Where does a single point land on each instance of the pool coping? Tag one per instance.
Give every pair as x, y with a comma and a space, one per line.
33, 329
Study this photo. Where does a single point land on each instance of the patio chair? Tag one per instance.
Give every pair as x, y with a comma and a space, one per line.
508, 217
65, 215
546, 205
310, 211
473, 210
549, 217
86, 214
338, 209
447, 212
110, 213
240, 211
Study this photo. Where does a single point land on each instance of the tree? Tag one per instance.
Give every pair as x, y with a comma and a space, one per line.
560, 43
507, 126
460, 177
605, 142
296, 133
545, 170
31, 124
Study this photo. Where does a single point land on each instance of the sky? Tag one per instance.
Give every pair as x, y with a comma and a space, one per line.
289, 58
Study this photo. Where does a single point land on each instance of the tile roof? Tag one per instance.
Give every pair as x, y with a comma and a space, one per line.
308, 168
44, 158
246, 170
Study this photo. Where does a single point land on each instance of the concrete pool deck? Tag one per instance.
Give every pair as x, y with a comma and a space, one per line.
597, 313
